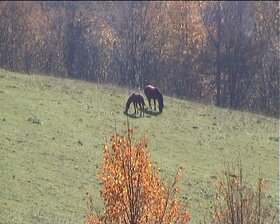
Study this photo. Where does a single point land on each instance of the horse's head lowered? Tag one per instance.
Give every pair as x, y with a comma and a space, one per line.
160, 102
129, 101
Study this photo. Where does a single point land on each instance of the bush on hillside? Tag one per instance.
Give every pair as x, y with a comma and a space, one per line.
132, 190
237, 203
133, 193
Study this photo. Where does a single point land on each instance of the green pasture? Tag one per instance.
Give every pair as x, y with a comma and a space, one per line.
52, 133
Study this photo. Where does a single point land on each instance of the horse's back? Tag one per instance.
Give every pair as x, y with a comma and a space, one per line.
139, 97
149, 87
152, 91
148, 90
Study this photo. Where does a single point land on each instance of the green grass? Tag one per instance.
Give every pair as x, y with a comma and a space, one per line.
52, 133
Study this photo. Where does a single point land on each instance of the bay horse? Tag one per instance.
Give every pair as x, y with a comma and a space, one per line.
154, 93
138, 100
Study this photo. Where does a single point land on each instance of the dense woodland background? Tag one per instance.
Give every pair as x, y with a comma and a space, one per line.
225, 53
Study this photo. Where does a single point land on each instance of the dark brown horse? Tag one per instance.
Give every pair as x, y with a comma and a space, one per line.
138, 100
154, 93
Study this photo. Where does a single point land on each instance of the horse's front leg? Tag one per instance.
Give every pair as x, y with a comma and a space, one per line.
135, 107
155, 104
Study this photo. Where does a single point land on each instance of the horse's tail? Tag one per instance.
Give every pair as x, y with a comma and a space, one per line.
142, 100
161, 100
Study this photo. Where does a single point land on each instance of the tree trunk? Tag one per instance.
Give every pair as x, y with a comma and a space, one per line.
218, 55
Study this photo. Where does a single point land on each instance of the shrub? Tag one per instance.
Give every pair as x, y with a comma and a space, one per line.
132, 190
237, 203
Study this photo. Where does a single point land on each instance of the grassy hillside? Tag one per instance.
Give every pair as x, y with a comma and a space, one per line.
52, 132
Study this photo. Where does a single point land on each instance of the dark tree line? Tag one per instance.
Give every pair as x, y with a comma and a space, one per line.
221, 52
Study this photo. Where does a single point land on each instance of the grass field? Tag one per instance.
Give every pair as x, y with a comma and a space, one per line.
52, 133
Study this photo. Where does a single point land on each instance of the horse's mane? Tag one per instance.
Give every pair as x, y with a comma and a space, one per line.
129, 100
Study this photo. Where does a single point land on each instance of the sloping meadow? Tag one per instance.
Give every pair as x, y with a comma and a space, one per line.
52, 133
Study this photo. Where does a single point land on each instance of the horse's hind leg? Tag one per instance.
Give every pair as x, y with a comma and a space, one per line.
141, 110
137, 107
149, 99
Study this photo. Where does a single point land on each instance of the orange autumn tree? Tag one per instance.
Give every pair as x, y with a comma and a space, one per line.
132, 190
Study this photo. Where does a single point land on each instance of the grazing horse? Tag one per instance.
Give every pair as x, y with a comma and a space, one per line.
154, 93
138, 100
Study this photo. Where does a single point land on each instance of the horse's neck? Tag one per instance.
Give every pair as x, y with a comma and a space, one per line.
130, 99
